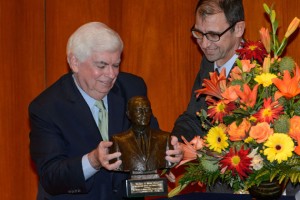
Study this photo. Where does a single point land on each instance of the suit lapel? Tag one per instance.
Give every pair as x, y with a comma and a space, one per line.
117, 120
81, 110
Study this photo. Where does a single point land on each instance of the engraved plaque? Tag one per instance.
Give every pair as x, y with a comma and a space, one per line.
146, 187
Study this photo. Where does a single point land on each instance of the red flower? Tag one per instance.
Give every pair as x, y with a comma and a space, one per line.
252, 51
217, 110
237, 162
269, 111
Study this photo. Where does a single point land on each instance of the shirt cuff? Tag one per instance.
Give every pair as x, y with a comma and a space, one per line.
87, 168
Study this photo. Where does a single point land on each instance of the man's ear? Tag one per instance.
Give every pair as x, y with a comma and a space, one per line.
74, 63
239, 28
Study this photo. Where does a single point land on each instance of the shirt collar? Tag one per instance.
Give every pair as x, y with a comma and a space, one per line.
88, 99
228, 65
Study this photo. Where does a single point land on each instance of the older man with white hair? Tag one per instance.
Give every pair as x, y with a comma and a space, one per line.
73, 120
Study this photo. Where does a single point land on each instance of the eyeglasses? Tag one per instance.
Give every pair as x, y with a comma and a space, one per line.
211, 36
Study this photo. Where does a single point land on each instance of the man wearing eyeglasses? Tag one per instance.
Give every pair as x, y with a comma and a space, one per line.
218, 30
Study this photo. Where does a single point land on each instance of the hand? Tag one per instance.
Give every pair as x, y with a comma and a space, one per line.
100, 157
171, 177
175, 155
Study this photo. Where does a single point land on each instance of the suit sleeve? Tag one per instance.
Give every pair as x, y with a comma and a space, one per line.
188, 124
58, 173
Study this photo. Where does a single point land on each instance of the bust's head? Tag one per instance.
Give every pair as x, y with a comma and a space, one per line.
139, 111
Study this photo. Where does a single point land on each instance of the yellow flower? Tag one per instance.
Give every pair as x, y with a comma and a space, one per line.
252, 119
279, 147
292, 27
265, 79
217, 139
248, 140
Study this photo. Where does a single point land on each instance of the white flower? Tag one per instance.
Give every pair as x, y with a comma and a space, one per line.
257, 160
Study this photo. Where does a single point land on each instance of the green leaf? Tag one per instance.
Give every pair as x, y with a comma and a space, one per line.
282, 178
293, 178
238, 62
203, 113
275, 26
261, 174
164, 171
237, 82
228, 119
282, 46
241, 111
274, 174
177, 190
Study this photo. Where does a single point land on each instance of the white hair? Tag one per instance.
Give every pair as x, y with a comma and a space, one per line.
91, 37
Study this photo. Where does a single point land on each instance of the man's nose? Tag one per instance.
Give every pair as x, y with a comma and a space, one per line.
204, 43
143, 112
111, 72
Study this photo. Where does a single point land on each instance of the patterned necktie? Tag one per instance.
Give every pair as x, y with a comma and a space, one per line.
102, 120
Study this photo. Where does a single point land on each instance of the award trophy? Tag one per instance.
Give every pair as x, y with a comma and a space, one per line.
143, 151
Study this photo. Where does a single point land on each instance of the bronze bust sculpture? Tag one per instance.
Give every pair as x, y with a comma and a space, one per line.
143, 149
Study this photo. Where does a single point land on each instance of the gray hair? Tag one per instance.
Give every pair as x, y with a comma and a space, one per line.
91, 37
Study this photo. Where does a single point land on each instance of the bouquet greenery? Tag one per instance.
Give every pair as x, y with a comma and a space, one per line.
252, 120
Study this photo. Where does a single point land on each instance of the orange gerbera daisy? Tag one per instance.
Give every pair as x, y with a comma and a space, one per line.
213, 86
237, 162
288, 87
269, 111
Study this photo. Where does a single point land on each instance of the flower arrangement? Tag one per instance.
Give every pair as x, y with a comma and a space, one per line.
253, 119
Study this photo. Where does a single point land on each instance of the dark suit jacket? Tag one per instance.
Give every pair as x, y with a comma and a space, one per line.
133, 158
63, 130
188, 124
